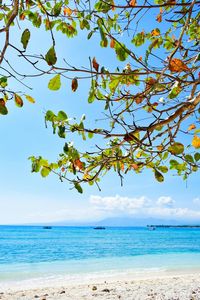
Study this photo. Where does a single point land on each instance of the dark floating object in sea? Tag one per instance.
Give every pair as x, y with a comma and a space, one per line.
99, 228
172, 226
47, 227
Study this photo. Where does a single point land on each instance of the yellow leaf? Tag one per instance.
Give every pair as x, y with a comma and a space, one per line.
86, 175
177, 65
196, 142
139, 154
30, 99
191, 127
133, 3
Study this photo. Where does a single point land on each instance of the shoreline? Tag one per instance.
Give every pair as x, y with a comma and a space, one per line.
168, 285
179, 284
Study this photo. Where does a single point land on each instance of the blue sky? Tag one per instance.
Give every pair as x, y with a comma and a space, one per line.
28, 198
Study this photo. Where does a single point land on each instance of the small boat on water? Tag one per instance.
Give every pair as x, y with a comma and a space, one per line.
99, 228
47, 227
151, 228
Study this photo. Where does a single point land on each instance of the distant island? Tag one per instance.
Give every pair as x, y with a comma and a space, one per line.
173, 226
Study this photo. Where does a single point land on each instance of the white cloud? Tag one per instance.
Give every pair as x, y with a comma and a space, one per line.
196, 201
165, 201
174, 213
163, 207
118, 203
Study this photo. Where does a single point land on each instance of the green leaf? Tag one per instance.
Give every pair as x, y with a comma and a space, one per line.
163, 169
197, 156
3, 81
55, 83
165, 155
159, 177
57, 9
49, 116
174, 92
91, 96
3, 110
173, 162
61, 131
78, 187
121, 52
25, 38
66, 148
189, 158
50, 57
62, 116
176, 148
90, 135
45, 171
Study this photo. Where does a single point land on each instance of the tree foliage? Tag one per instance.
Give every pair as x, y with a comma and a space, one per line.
151, 99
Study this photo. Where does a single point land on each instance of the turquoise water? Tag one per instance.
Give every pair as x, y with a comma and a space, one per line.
30, 252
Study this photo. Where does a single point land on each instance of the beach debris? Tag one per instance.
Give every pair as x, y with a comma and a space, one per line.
94, 288
106, 290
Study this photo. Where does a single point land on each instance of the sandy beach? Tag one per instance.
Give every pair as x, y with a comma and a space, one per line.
157, 287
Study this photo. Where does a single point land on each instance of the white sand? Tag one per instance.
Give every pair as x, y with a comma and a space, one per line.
168, 286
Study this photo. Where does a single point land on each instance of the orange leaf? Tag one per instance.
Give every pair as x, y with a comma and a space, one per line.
138, 100
78, 164
74, 84
134, 166
2, 102
112, 43
196, 142
191, 127
177, 65
155, 32
67, 11
151, 81
159, 18
160, 147
22, 17
122, 167
95, 64
133, 3
113, 5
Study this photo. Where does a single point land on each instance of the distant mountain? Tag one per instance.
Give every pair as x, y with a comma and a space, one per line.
127, 222
124, 222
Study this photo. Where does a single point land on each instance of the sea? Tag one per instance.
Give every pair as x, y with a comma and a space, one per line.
33, 252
